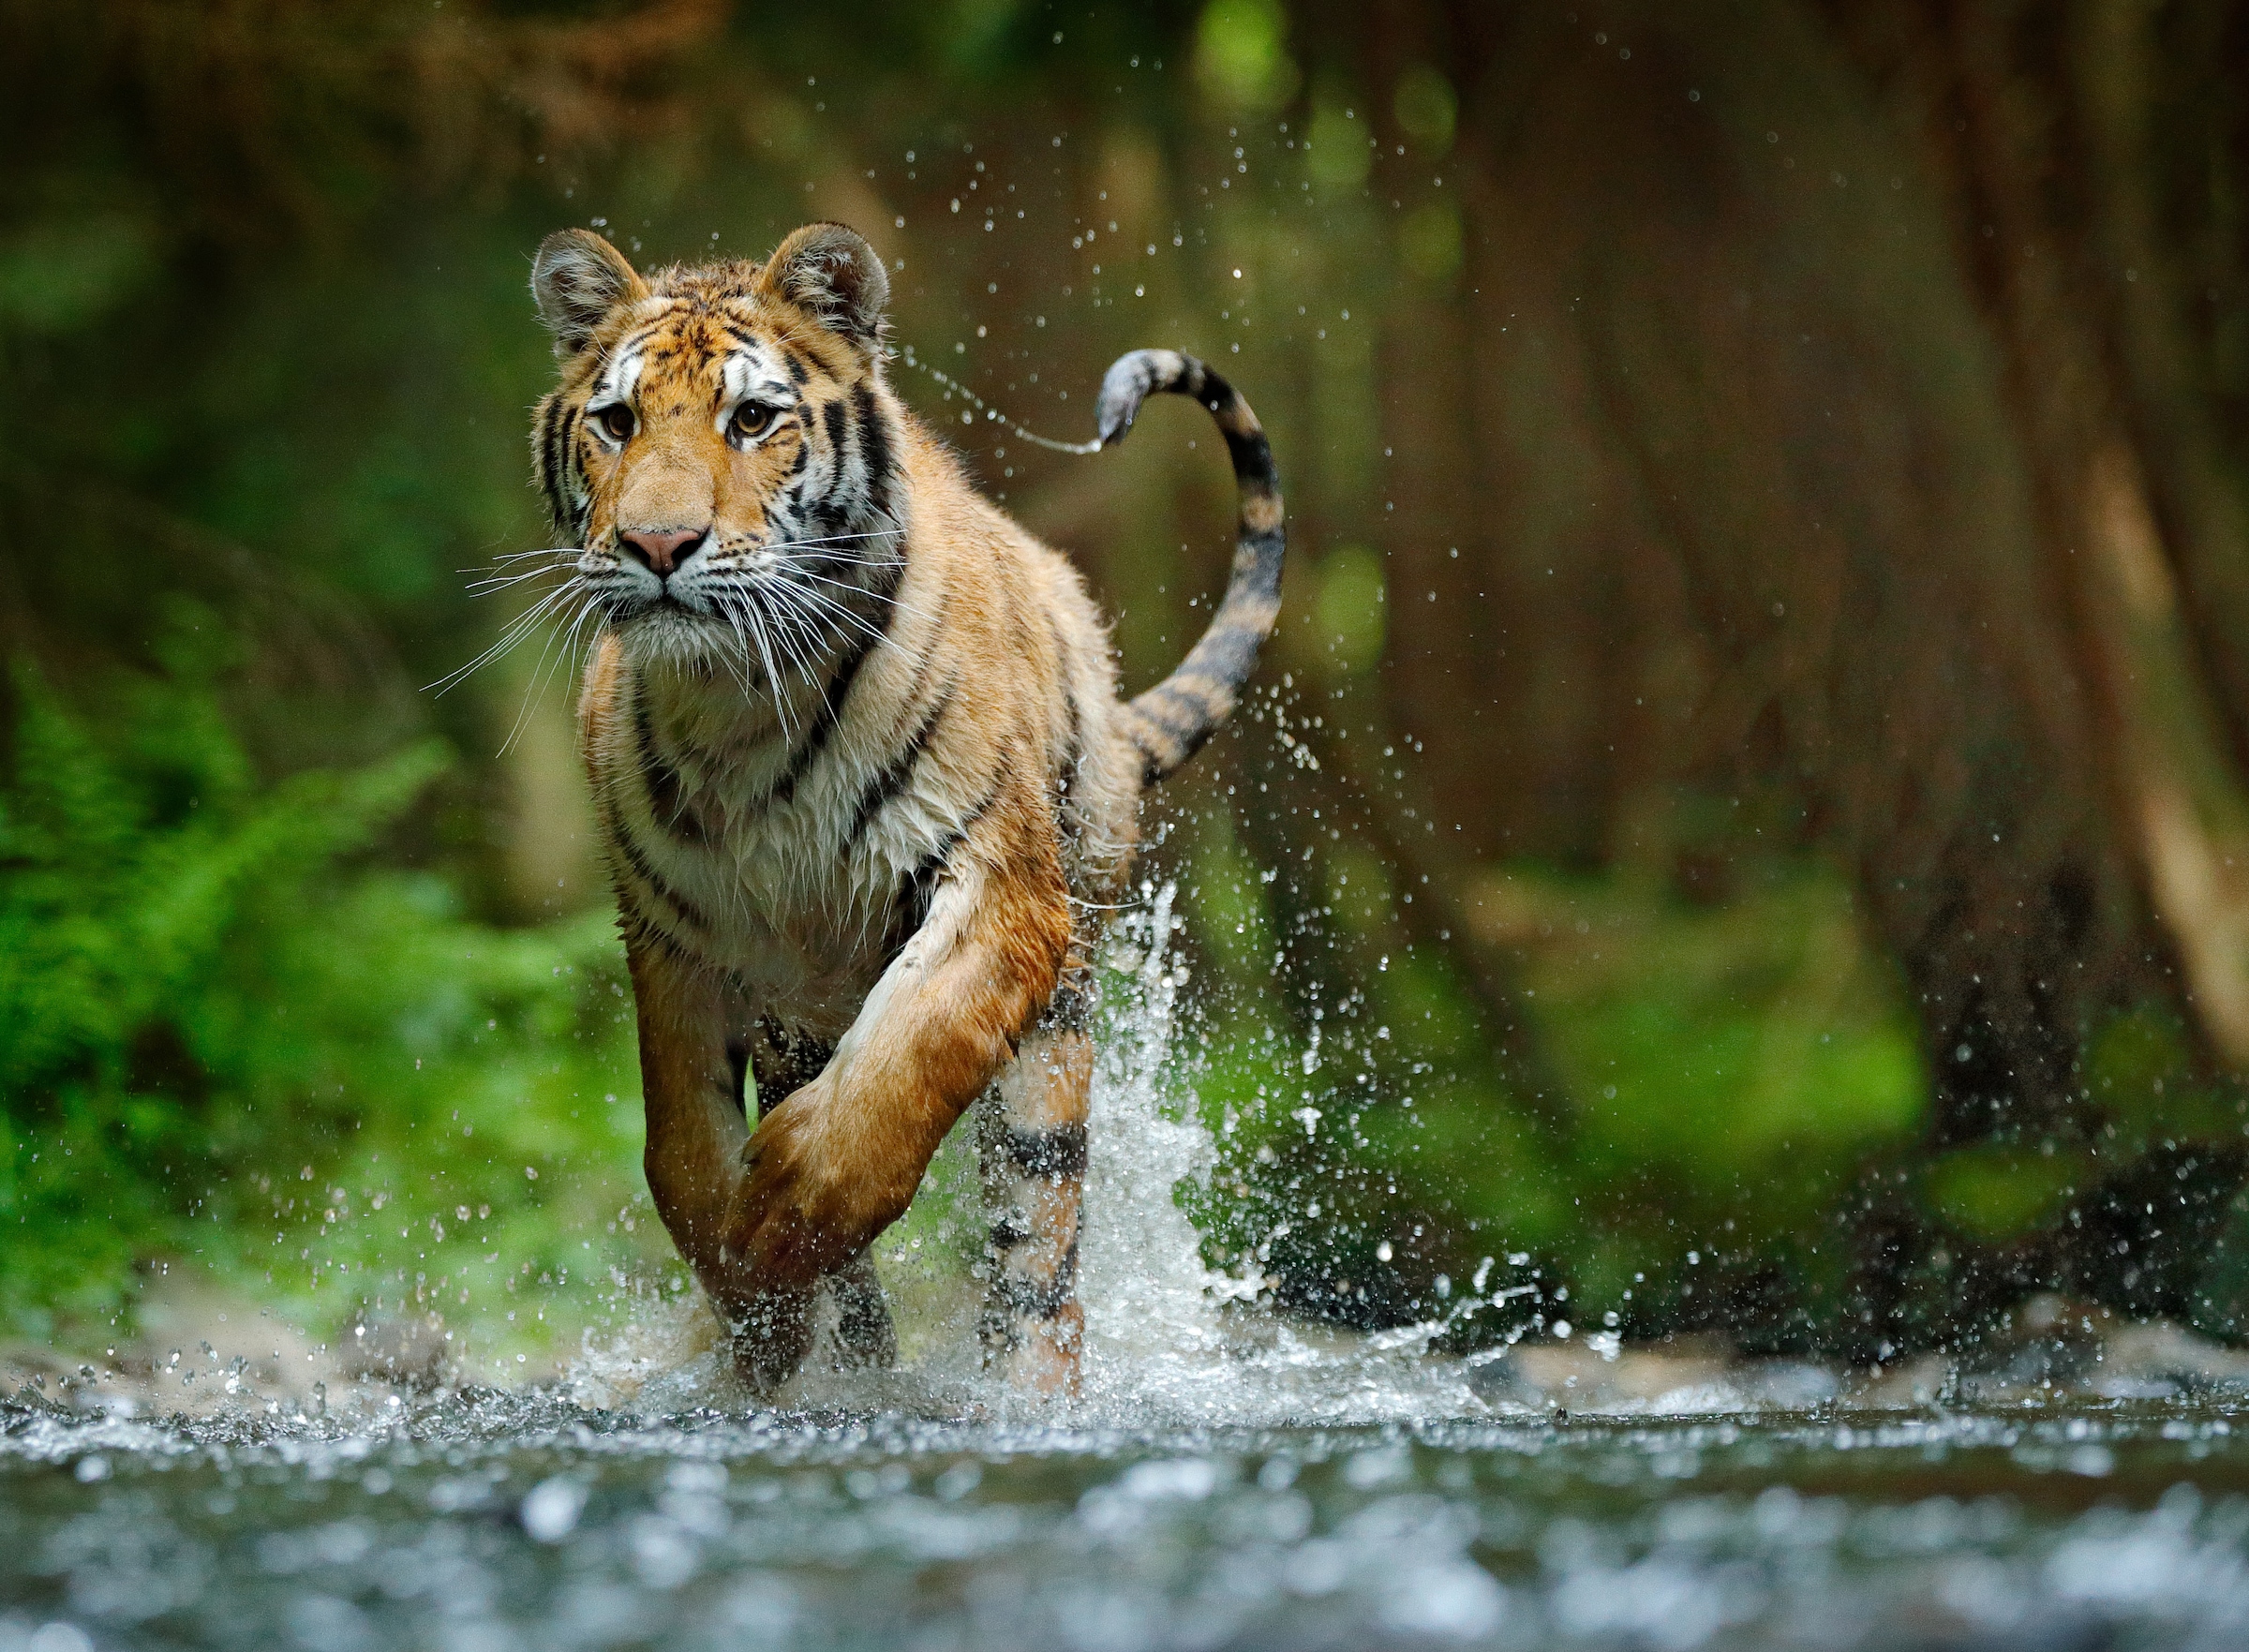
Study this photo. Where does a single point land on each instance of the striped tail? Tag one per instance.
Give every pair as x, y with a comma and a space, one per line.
1171, 721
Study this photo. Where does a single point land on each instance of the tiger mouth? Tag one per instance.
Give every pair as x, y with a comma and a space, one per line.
665, 604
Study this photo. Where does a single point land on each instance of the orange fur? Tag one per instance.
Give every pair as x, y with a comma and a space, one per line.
861, 774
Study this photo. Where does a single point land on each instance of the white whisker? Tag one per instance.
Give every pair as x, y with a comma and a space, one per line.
765, 651
825, 603
535, 693
899, 603
519, 628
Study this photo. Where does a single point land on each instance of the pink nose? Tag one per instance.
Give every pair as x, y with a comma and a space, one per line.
660, 548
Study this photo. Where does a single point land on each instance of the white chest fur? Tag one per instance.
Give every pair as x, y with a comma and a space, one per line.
789, 857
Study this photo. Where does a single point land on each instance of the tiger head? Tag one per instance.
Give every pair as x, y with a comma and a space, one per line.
721, 451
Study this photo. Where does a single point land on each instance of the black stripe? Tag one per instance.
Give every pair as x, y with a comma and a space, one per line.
1057, 1153
1040, 1302
741, 340
737, 1066
910, 907
634, 339
881, 580
1008, 1231
638, 861
548, 482
566, 467
828, 514
874, 447
833, 700
696, 753
1178, 711
799, 373
667, 791
910, 904
1227, 654
1251, 452
638, 930
893, 780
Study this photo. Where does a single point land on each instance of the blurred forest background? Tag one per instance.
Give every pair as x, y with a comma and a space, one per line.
1746, 822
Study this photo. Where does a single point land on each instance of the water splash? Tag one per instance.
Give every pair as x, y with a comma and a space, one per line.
1169, 1338
991, 414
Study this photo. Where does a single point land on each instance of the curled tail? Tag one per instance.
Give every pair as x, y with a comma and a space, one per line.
1171, 721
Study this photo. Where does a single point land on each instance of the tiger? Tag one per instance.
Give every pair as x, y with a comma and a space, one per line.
864, 784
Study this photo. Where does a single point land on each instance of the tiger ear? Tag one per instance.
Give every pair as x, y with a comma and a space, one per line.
577, 280
831, 272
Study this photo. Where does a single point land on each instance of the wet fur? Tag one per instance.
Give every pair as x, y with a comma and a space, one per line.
862, 778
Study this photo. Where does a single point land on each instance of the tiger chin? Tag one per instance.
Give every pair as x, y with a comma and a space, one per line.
864, 783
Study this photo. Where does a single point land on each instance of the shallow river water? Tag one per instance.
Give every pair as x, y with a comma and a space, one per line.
1228, 1479
507, 1521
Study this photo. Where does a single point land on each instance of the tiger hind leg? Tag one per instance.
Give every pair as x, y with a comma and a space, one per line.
1032, 1150
863, 1334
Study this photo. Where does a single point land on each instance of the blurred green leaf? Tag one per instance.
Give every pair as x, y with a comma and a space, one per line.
58, 277
1242, 55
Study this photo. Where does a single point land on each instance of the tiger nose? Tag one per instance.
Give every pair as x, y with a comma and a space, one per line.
660, 548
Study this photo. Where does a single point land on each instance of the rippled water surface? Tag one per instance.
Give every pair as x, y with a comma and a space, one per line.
505, 1521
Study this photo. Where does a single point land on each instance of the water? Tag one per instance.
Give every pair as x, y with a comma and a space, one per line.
502, 1520
1229, 1480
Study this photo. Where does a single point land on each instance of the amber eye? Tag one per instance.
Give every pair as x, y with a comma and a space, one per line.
615, 421
751, 420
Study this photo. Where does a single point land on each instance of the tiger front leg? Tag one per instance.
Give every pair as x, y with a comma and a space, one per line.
698, 1132
837, 1161
784, 1061
695, 1031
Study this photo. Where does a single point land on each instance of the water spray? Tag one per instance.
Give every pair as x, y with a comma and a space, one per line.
992, 414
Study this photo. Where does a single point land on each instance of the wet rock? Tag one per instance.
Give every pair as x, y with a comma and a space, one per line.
1791, 1384
1682, 1376
1496, 1379
2156, 1359
412, 1351
2053, 1346
2049, 1342
1924, 1380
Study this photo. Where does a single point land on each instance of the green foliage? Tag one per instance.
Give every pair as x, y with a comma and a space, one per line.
1242, 53
1428, 108
1352, 610
1998, 1191
1726, 1075
226, 1037
2141, 1072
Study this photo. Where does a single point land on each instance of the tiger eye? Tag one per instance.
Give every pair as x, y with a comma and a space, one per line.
752, 419
616, 421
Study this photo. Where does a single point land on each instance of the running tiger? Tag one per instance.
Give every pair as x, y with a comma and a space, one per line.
864, 783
